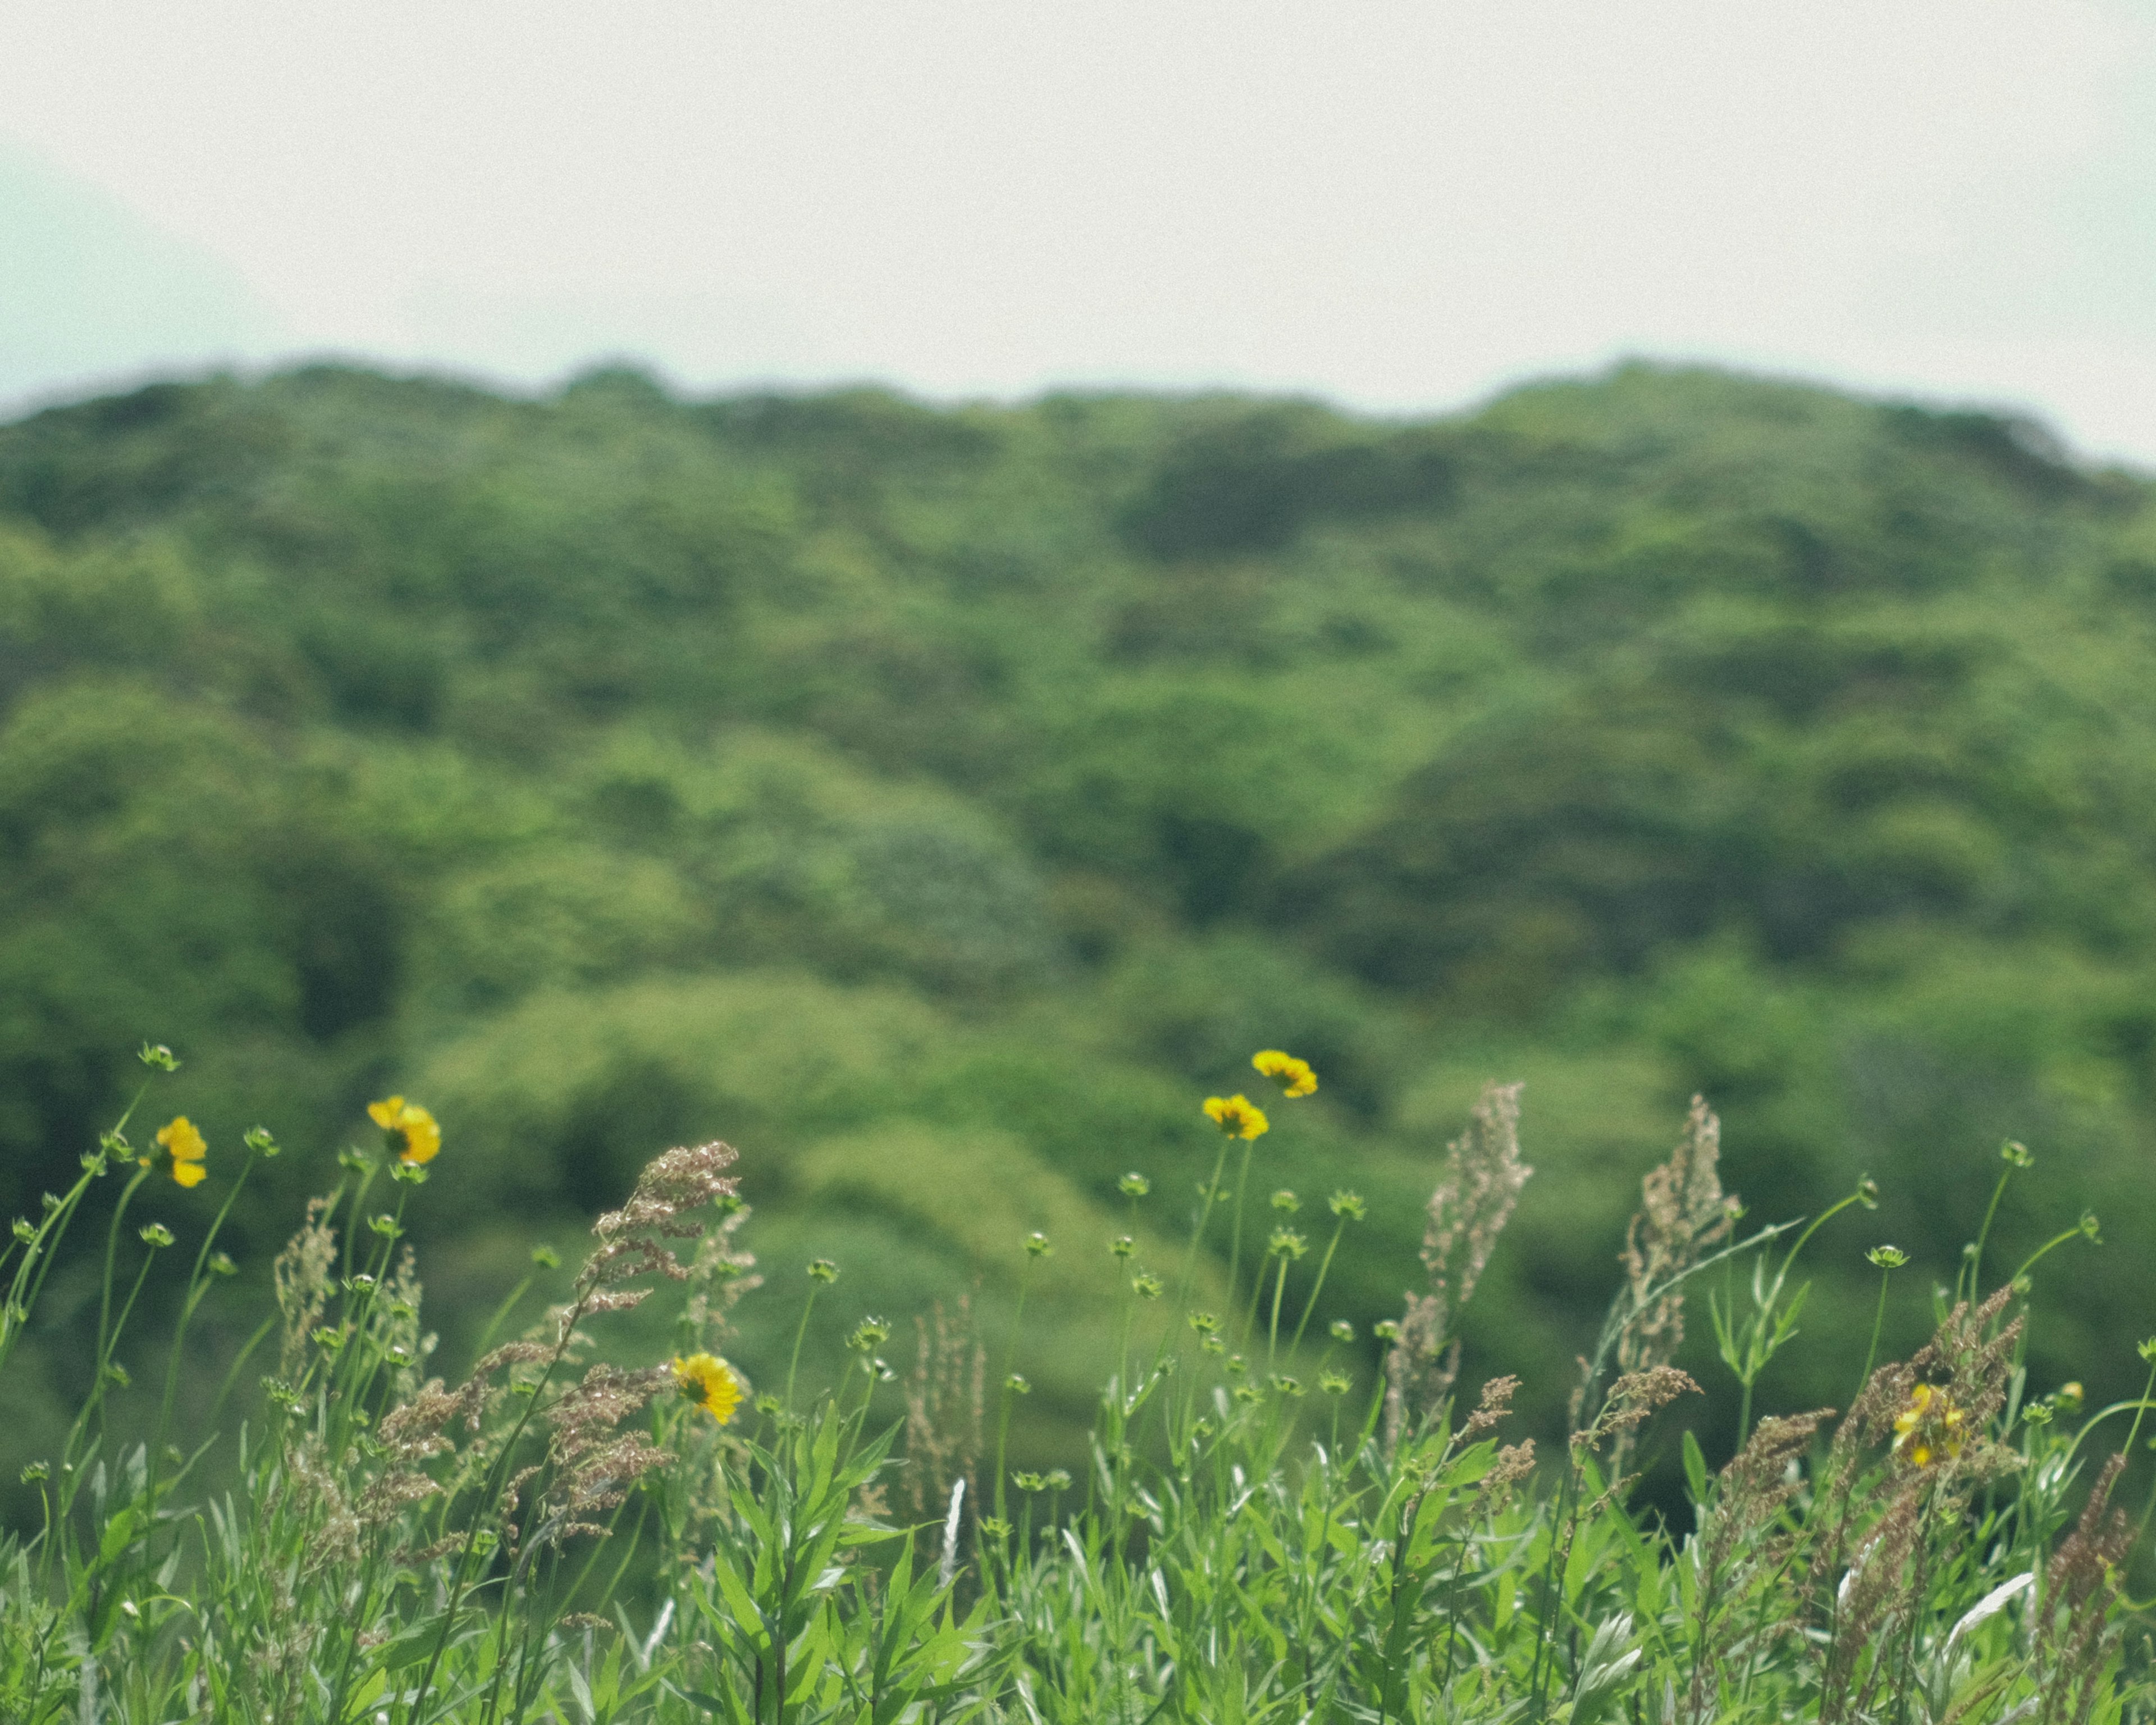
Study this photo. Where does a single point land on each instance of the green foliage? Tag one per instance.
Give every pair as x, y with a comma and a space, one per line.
995, 772
349, 1539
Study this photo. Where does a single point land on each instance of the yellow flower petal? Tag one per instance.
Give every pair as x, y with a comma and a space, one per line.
1294, 1076
710, 1382
182, 1140
1237, 1115
385, 1114
189, 1174
422, 1137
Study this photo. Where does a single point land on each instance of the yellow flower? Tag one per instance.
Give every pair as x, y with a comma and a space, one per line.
710, 1382
422, 1137
187, 1146
1238, 1117
1929, 1426
1294, 1076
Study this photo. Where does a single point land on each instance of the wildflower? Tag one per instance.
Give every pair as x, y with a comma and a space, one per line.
1238, 1117
1886, 1257
1285, 1201
1037, 1246
1286, 1243
1204, 1323
1146, 1287
1294, 1076
422, 1137
1122, 1245
1930, 1425
823, 1269
1334, 1383
710, 1382
187, 1146
2071, 1393
1134, 1185
1349, 1205
869, 1334
157, 1234
1342, 1330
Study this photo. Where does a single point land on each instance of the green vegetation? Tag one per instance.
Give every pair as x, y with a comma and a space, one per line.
931, 802
559, 1539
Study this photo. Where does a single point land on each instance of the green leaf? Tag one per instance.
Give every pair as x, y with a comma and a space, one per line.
1695, 1467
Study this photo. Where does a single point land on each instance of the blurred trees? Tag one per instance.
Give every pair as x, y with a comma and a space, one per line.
850, 778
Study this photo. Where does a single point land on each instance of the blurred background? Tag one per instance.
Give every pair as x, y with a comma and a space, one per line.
907, 586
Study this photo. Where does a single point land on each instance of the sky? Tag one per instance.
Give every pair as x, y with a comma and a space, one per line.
1403, 206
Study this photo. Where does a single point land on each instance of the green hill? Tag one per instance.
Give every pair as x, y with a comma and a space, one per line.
937, 803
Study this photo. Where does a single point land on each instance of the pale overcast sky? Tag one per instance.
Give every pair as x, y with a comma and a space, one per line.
1399, 206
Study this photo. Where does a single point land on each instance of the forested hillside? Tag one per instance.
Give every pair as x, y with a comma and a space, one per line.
937, 803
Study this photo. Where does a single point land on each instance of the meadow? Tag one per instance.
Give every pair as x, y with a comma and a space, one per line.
561, 1536
942, 804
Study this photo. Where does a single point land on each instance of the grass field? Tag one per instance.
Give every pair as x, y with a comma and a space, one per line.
1274, 1520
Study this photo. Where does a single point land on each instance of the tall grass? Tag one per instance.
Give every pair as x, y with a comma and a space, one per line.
1257, 1532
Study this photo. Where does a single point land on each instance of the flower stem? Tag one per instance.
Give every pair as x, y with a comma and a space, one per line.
1878, 1321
